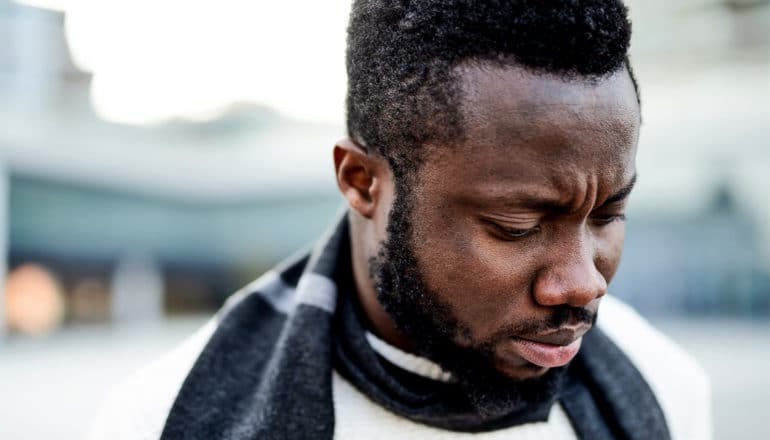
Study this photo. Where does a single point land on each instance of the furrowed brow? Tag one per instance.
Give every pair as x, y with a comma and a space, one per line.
545, 204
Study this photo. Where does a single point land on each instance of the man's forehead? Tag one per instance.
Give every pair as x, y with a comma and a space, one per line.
529, 129
488, 89
529, 112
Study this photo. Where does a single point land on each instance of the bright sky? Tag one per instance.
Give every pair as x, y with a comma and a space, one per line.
157, 59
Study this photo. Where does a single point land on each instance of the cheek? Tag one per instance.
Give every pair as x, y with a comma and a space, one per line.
485, 281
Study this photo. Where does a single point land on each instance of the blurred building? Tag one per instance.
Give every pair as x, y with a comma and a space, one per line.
183, 212
187, 210
699, 227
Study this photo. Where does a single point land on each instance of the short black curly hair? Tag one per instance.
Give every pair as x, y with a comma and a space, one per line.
401, 57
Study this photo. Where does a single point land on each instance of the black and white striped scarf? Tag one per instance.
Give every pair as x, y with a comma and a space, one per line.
267, 370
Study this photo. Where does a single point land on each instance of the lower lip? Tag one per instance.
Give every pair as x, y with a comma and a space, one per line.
546, 355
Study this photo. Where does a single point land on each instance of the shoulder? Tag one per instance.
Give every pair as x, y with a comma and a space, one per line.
680, 384
138, 407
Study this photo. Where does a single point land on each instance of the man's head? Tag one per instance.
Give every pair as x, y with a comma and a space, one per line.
491, 146
403, 57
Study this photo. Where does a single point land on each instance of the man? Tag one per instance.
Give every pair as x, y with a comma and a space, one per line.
490, 156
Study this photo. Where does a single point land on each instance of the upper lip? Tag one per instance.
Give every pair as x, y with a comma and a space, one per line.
562, 336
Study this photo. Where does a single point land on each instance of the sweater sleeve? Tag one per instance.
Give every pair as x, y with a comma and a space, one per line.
138, 407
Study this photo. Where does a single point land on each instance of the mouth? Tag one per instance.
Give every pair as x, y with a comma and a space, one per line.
549, 350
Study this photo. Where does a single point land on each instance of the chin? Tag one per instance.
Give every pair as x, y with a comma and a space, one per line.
522, 372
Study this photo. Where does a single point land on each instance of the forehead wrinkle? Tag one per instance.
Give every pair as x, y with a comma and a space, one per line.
555, 143
568, 192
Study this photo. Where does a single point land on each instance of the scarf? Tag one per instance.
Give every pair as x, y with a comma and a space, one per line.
266, 372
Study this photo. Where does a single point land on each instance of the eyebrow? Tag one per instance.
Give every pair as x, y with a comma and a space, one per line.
553, 206
622, 194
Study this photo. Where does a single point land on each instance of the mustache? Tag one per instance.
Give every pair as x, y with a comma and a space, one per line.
564, 314
560, 315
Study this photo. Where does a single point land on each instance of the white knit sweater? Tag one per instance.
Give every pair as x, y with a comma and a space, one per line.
138, 408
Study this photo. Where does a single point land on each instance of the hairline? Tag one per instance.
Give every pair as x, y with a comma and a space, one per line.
457, 94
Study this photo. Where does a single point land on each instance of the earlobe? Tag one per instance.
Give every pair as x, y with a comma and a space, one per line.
357, 176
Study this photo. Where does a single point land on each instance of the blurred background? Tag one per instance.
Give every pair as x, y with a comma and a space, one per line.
157, 155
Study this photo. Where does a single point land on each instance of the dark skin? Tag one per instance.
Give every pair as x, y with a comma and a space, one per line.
524, 214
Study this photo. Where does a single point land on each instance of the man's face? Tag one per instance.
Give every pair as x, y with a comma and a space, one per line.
500, 249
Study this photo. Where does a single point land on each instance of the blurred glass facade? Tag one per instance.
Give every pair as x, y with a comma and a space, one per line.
119, 223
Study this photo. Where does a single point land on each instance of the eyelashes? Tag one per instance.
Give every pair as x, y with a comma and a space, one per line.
607, 219
508, 233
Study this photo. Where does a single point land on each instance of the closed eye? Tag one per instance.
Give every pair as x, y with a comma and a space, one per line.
514, 233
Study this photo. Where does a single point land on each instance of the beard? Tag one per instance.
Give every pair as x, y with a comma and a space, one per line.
430, 324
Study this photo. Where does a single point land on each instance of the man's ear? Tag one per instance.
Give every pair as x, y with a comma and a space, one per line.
359, 176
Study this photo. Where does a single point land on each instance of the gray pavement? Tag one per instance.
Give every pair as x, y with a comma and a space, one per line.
51, 388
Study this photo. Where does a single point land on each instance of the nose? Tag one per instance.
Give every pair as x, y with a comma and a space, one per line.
573, 280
